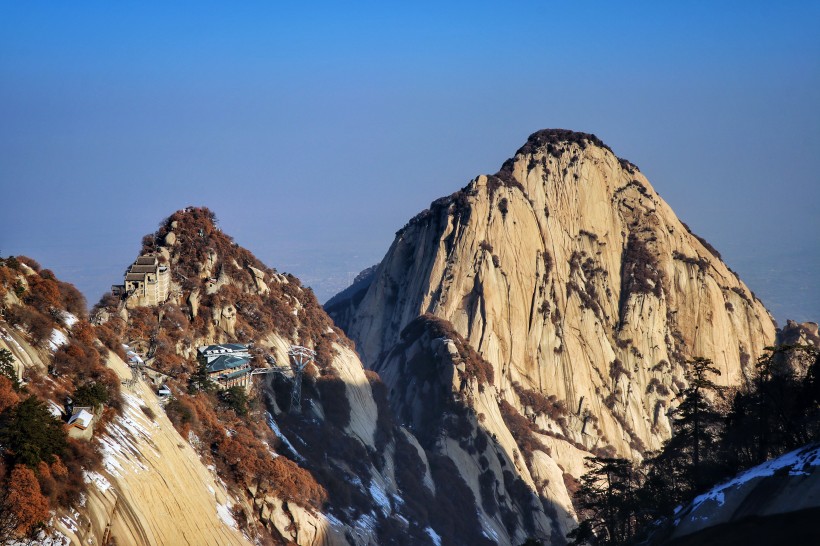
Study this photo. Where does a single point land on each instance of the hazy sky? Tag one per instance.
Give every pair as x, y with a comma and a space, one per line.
316, 130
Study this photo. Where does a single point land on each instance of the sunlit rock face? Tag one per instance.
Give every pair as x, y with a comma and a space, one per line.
569, 274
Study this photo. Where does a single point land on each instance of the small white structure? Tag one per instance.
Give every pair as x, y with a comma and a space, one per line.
80, 423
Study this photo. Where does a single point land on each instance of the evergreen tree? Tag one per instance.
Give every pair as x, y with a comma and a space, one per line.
696, 423
92, 394
7, 368
778, 410
236, 398
608, 503
30, 434
200, 381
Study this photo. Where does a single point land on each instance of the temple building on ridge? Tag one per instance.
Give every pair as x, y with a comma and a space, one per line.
147, 283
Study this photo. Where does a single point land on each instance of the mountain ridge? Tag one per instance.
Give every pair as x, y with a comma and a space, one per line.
346, 470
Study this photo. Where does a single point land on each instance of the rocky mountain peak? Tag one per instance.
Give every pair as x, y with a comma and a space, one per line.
570, 275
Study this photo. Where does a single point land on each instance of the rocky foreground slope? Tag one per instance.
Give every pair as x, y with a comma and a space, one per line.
777, 502
575, 281
130, 478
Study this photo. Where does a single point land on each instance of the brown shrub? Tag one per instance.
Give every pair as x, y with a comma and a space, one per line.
37, 325
8, 396
43, 292
31, 262
540, 404
24, 502
107, 334
522, 430
73, 300
293, 483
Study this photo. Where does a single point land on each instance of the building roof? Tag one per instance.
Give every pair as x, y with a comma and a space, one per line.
135, 276
143, 269
81, 417
227, 362
237, 373
146, 260
224, 348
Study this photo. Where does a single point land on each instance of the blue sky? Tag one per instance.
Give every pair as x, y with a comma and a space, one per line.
315, 131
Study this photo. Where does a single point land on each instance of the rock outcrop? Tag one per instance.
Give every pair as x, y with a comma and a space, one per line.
774, 503
578, 284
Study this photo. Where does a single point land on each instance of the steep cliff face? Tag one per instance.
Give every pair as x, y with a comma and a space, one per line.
571, 276
444, 393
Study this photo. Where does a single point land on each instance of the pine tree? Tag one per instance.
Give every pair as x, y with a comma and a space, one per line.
200, 381
7, 368
686, 464
608, 503
777, 411
30, 434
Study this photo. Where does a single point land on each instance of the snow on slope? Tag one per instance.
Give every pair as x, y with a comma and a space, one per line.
786, 484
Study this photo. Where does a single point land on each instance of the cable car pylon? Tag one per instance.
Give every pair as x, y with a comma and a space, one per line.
300, 357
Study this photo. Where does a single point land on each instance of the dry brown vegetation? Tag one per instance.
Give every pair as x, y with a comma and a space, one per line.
640, 271
476, 367
523, 431
542, 405
40, 467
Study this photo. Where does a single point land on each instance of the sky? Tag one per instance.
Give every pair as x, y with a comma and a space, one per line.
315, 130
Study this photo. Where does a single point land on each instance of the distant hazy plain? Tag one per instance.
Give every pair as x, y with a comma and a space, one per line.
316, 130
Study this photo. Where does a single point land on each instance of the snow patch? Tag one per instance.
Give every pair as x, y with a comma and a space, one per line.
57, 339
7, 337
366, 523
433, 536
119, 444
97, 479
275, 428
798, 461
225, 515
68, 319
54, 409
487, 528
53, 538
379, 496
